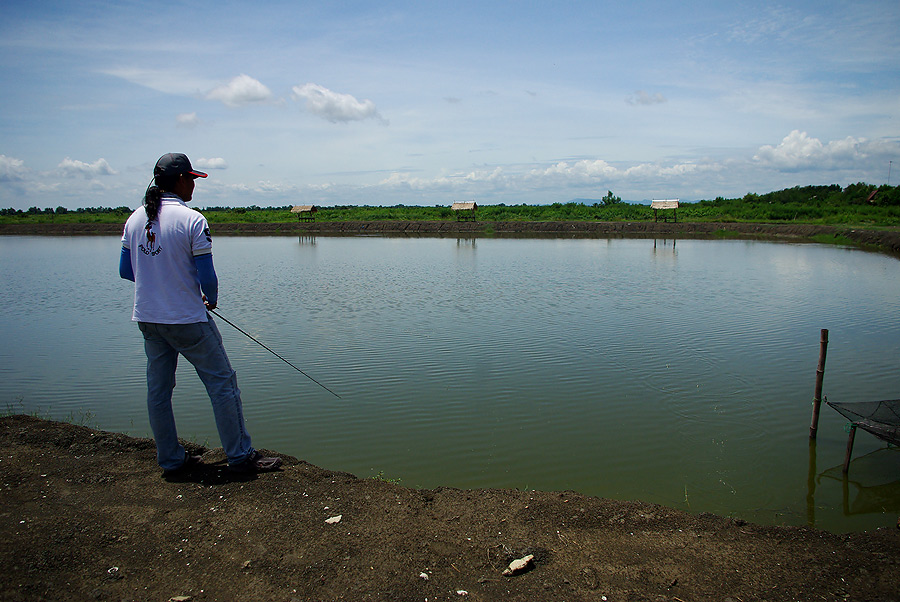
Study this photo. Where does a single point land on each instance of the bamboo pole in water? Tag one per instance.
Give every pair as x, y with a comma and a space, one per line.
820, 375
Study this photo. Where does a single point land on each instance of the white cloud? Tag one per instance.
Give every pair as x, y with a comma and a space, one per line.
334, 106
46, 188
596, 171
267, 187
405, 181
642, 98
274, 191
11, 169
561, 176
71, 167
580, 170
798, 150
187, 120
652, 170
213, 163
241, 90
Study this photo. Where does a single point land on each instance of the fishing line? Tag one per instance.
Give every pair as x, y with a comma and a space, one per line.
249, 336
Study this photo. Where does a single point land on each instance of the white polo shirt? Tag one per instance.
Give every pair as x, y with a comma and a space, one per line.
166, 286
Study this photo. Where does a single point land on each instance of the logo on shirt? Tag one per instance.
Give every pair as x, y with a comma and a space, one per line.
207, 233
151, 242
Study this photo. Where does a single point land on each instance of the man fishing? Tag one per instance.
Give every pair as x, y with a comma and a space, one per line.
167, 253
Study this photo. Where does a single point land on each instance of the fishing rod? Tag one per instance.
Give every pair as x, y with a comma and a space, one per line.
249, 336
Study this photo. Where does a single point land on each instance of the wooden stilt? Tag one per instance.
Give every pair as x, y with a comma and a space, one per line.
820, 375
849, 448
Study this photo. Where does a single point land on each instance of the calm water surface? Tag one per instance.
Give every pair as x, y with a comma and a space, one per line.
673, 372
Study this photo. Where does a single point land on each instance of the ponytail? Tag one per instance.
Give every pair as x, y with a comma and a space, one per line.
152, 199
153, 196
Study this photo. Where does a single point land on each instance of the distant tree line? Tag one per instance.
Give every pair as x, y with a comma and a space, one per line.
64, 211
858, 203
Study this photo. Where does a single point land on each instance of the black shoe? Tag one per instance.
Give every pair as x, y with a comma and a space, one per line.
255, 462
189, 463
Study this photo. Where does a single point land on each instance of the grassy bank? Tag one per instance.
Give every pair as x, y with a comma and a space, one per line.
854, 206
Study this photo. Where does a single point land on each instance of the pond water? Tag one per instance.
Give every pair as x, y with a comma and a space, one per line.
676, 372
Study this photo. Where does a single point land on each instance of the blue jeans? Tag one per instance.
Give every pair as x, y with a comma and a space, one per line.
201, 345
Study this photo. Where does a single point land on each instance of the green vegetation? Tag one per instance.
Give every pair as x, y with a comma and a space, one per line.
854, 205
76, 417
610, 198
61, 215
830, 205
833, 239
380, 477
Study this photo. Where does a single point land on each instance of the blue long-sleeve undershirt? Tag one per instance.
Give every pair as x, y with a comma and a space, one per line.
126, 270
206, 273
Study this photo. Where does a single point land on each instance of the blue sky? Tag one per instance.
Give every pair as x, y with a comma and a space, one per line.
424, 103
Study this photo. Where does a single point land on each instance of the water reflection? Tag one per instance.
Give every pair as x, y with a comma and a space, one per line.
811, 485
866, 489
664, 244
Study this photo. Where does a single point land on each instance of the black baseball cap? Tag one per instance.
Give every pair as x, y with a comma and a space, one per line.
175, 164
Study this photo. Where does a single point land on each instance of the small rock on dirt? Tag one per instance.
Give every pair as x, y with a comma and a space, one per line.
518, 565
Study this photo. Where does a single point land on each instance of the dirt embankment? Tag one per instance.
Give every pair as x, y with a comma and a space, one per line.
886, 240
86, 515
